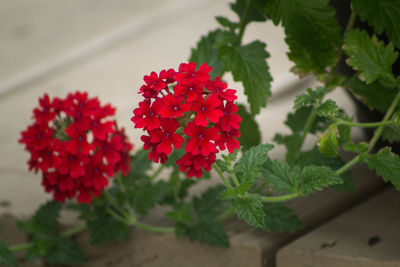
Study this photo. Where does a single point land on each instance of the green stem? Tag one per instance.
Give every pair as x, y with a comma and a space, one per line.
221, 175
379, 130
67, 233
225, 215
365, 125
279, 198
157, 172
118, 217
348, 165
307, 128
243, 21
156, 229
235, 179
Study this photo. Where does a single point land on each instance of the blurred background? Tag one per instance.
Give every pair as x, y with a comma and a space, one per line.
105, 48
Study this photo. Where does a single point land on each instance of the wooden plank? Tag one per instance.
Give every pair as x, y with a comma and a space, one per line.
367, 235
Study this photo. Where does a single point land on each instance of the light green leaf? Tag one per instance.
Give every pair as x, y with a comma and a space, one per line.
236, 191
248, 64
250, 209
386, 165
328, 142
382, 15
250, 132
279, 176
280, 218
310, 98
327, 109
248, 166
315, 178
370, 57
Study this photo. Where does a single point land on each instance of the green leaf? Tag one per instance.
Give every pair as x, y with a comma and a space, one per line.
296, 121
248, 166
291, 142
207, 52
327, 109
248, 64
64, 252
250, 132
236, 191
209, 232
310, 98
314, 157
239, 7
382, 15
386, 165
208, 204
279, 176
370, 57
315, 178
312, 32
374, 95
7, 258
391, 133
328, 142
147, 194
280, 218
106, 229
250, 209
225, 22
182, 213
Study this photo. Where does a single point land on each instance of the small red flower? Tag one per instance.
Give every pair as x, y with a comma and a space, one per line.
201, 139
165, 136
173, 107
78, 142
208, 109
230, 119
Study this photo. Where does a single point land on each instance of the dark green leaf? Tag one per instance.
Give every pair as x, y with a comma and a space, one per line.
374, 95
391, 133
312, 32
370, 57
250, 132
248, 64
292, 144
225, 22
209, 232
279, 176
208, 204
315, 178
206, 52
250, 209
106, 229
328, 142
236, 191
182, 213
147, 195
382, 15
7, 258
249, 165
64, 252
386, 165
310, 98
280, 218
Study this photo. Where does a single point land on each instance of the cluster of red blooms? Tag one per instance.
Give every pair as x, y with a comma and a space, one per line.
75, 146
187, 99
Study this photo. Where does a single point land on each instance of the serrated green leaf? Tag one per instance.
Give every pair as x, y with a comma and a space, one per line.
209, 232
382, 15
310, 98
250, 209
391, 133
314, 157
327, 109
291, 142
182, 213
225, 22
280, 218
106, 229
374, 95
250, 132
279, 176
315, 178
208, 204
370, 57
248, 64
328, 143
312, 32
386, 165
207, 52
248, 166
296, 121
147, 194
7, 258
64, 252
239, 7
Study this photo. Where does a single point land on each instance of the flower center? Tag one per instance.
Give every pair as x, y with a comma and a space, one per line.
80, 138
71, 157
175, 108
167, 134
203, 108
200, 136
191, 89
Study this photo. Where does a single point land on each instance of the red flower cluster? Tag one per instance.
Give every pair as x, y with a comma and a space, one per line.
75, 147
187, 100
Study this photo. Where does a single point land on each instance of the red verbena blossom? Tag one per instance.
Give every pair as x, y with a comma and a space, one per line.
187, 103
75, 146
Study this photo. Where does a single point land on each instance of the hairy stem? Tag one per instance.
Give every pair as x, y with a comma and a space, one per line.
222, 177
365, 125
243, 21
